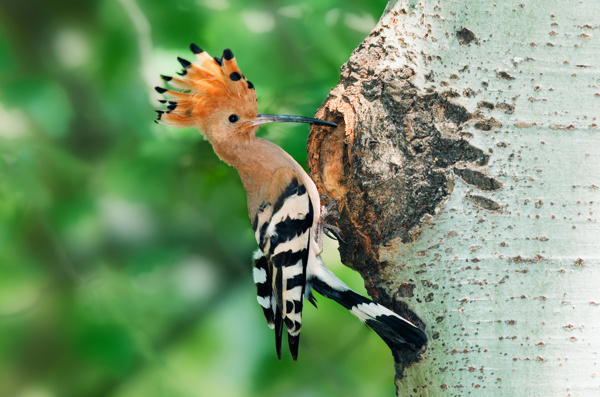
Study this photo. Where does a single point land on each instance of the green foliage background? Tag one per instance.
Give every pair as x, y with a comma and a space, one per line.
125, 246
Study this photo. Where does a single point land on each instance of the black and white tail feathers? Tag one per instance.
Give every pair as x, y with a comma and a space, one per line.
264, 294
395, 331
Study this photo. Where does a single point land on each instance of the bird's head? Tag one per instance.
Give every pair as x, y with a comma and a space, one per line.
213, 95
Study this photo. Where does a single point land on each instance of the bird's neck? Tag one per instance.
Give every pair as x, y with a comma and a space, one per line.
247, 151
255, 159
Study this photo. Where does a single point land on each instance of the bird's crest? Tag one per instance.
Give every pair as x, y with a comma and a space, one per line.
203, 87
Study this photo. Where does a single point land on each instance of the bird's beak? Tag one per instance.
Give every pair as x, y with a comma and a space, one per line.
282, 118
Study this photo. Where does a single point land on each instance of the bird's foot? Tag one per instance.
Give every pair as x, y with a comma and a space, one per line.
331, 231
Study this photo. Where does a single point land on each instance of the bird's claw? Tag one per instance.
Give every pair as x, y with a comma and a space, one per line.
331, 231
329, 210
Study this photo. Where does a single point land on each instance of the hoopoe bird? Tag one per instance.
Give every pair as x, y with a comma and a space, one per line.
213, 95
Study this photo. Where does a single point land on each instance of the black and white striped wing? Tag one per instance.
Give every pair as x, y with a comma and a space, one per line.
264, 292
282, 230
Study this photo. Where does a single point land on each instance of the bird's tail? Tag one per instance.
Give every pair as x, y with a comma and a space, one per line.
396, 331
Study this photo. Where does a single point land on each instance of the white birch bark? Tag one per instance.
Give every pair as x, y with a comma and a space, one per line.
504, 272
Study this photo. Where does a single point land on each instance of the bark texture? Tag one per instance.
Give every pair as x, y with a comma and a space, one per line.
458, 167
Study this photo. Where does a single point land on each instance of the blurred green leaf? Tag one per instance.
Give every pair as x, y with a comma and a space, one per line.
108, 346
45, 102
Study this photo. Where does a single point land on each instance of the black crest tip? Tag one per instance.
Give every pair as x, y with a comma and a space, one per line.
160, 90
250, 85
195, 49
166, 78
227, 54
183, 62
235, 76
219, 61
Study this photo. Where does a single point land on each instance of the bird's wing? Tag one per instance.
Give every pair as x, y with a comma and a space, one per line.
282, 229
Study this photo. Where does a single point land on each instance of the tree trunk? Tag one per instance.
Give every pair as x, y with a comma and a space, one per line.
465, 166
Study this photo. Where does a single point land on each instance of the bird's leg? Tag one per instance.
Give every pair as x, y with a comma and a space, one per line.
331, 231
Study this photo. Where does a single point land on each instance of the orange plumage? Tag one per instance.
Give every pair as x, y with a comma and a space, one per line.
208, 87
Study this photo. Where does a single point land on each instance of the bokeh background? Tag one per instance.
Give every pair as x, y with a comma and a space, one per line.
124, 245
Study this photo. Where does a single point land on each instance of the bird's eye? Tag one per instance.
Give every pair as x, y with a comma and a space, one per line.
233, 118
